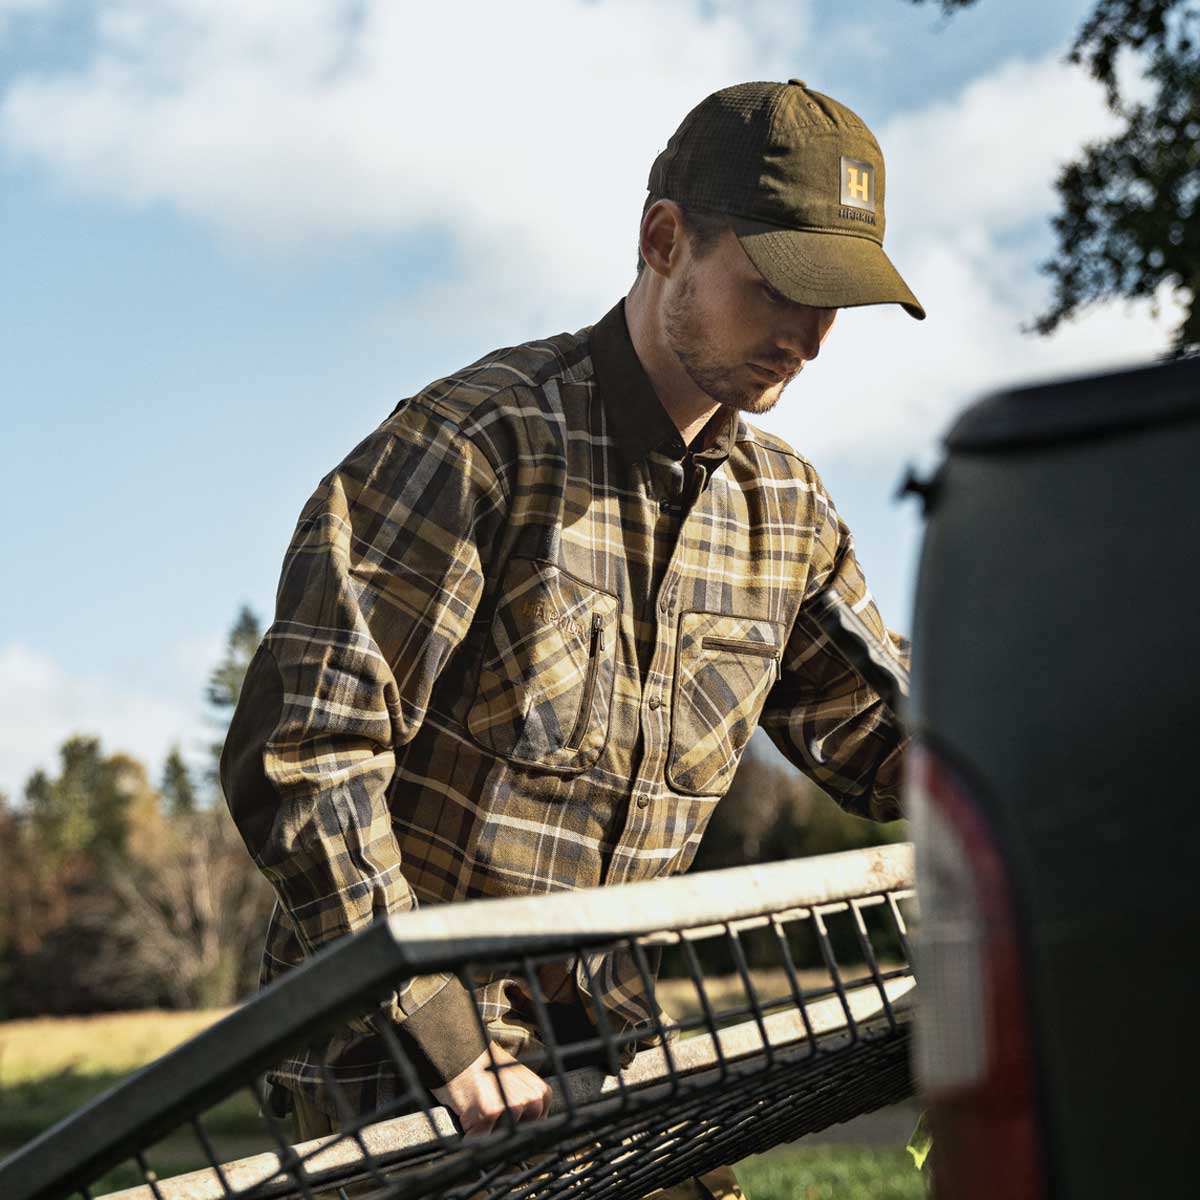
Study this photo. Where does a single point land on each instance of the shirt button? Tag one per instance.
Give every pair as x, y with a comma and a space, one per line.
665, 604
655, 702
643, 801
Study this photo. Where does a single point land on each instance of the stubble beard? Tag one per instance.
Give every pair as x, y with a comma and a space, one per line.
686, 338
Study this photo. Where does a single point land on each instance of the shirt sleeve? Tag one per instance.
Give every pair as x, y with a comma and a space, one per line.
379, 585
833, 711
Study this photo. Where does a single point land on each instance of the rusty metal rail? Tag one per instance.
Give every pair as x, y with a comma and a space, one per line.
787, 991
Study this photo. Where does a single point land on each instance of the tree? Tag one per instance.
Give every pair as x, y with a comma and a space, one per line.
181, 922
10, 868
225, 683
182, 919
75, 831
1128, 221
772, 812
90, 808
117, 895
177, 788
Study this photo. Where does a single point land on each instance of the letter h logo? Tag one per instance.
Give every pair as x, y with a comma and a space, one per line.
858, 184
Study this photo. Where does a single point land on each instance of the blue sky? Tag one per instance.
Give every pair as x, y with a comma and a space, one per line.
233, 234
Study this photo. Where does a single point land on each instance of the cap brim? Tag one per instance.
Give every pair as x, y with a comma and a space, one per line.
825, 270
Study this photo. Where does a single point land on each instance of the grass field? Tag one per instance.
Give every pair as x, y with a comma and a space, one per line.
48, 1067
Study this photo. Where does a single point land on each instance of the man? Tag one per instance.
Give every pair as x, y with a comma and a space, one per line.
525, 630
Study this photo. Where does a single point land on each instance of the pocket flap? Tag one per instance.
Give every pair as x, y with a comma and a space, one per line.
724, 668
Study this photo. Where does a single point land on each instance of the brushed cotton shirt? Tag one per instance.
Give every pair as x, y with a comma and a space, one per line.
522, 637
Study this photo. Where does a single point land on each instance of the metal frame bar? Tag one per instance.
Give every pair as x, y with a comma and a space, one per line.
174, 1089
649, 1077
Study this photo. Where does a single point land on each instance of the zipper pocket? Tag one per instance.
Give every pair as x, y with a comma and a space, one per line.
740, 646
589, 683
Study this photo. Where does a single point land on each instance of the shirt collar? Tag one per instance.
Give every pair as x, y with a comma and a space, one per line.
633, 411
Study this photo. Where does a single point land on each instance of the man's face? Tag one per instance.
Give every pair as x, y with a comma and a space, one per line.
740, 341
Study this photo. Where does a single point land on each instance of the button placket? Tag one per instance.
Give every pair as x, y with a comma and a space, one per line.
655, 734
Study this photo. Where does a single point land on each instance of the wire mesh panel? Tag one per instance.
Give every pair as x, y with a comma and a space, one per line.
711, 1017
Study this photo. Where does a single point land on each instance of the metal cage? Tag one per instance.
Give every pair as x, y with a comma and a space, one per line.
779, 1003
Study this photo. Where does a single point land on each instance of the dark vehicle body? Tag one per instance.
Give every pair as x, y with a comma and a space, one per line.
1056, 706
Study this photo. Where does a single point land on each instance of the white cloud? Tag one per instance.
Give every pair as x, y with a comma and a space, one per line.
988, 156
969, 187
526, 145
42, 704
283, 125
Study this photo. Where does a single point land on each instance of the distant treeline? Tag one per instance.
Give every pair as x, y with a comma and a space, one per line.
121, 893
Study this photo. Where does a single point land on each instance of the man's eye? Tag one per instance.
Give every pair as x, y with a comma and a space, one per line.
774, 296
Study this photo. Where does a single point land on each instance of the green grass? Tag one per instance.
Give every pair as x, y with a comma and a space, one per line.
831, 1173
49, 1067
103, 1044
821, 1173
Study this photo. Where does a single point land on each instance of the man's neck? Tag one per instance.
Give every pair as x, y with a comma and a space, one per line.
686, 404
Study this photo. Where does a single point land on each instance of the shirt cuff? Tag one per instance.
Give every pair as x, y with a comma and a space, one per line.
442, 1037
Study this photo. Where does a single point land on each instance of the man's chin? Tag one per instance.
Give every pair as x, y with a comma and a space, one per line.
731, 392
768, 399
757, 401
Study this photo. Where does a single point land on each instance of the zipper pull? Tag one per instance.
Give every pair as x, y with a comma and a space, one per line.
598, 630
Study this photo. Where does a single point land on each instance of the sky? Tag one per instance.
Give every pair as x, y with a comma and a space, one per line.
233, 233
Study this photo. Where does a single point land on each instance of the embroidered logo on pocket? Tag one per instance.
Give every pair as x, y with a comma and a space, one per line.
545, 616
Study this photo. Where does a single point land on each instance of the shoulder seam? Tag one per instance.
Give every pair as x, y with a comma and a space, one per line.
452, 423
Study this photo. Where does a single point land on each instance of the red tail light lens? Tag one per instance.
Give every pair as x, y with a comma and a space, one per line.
974, 1055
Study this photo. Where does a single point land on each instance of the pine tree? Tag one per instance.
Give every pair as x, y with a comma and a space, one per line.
177, 788
225, 683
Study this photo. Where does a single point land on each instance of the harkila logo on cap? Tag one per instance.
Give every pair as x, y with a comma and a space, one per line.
858, 190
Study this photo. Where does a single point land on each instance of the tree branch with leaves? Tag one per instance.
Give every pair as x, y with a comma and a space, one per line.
1127, 222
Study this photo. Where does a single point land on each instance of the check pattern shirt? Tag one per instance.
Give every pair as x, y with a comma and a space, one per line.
522, 637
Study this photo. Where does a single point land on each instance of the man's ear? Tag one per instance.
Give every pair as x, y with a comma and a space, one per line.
662, 236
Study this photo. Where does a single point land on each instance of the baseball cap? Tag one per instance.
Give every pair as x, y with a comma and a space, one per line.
801, 176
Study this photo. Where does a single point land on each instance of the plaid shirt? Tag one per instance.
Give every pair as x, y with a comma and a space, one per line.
522, 637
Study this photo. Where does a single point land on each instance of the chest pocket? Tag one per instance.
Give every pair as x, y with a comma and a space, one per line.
724, 669
544, 696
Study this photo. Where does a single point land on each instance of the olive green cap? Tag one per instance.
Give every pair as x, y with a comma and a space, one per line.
802, 178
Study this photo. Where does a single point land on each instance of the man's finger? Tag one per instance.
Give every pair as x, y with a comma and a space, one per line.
479, 1123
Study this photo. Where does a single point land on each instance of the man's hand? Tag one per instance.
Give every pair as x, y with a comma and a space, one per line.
475, 1096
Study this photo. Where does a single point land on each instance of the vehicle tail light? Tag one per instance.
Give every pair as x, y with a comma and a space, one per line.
974, 1054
